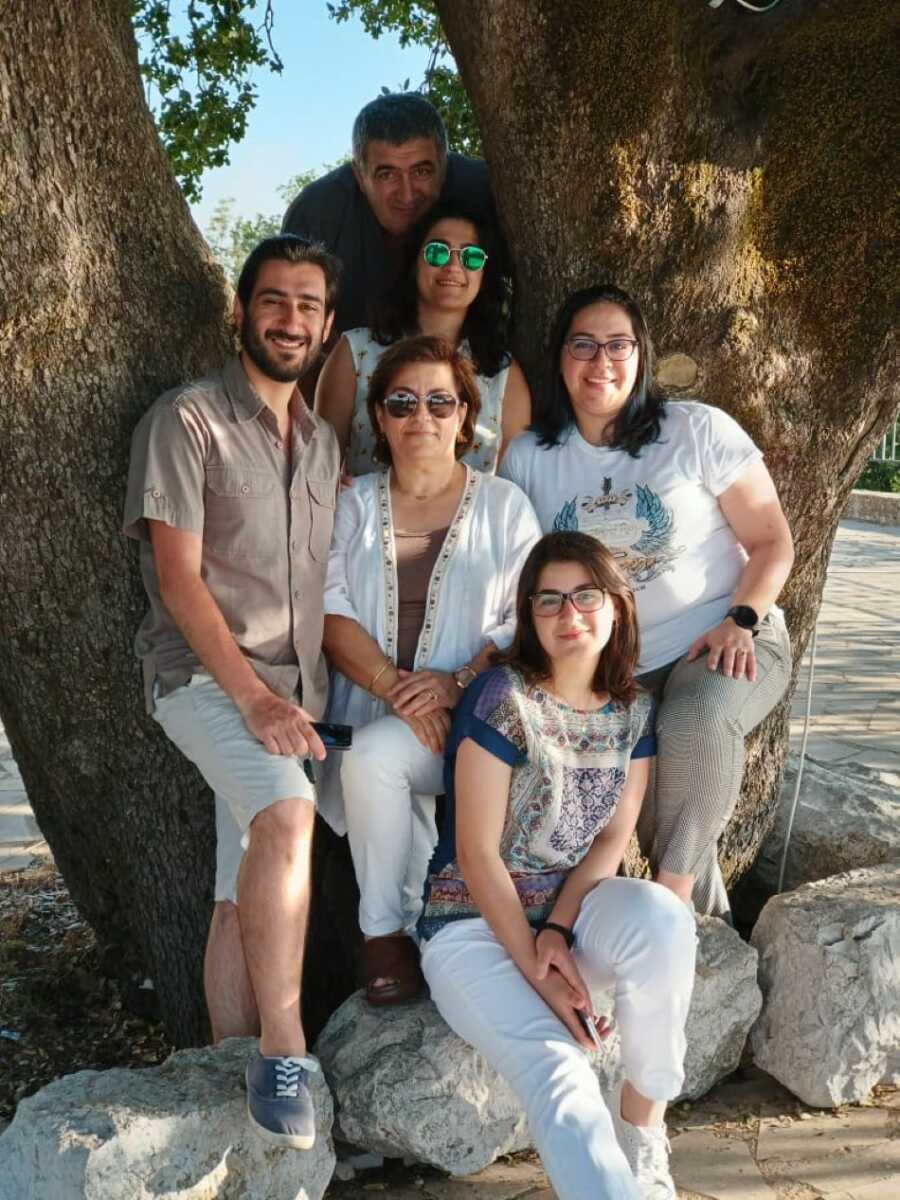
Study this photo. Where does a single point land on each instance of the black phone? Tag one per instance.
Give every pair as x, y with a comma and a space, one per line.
334, 737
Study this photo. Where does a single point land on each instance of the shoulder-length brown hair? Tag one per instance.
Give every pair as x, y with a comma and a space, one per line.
424, 349
615, 670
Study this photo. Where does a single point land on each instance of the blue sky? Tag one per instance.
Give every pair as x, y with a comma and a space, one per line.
303, 117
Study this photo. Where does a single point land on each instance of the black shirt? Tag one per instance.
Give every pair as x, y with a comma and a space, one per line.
334, 211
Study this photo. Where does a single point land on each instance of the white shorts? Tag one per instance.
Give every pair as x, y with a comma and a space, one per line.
206, 726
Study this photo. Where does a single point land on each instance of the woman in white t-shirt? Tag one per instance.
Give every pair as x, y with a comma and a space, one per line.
680, 494
451, 286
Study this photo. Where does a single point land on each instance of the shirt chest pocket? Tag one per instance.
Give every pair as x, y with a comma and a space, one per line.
244, 517
321, 494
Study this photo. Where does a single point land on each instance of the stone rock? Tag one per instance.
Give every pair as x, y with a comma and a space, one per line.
174, 1132
847, 817
725, 1003
829, 968
405, 1085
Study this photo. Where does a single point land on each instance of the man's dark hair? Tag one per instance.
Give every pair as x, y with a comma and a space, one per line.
397, 118
640, 421
289, 247
395, 315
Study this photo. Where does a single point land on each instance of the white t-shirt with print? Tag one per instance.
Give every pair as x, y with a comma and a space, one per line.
659, 515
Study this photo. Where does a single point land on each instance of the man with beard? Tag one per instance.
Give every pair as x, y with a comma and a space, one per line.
231, 493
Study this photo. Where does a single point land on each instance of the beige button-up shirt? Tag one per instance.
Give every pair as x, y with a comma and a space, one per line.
208, 458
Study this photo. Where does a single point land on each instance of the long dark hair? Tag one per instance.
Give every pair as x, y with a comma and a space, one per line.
640, 421
615, 669
395, 315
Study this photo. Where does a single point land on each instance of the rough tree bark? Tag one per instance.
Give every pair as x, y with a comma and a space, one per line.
108, 295
735, 172
627, 140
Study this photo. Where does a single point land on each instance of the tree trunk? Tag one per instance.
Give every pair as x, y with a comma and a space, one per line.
733, 171
108, 296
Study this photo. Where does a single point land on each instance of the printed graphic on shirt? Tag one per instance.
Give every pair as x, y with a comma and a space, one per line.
635, 525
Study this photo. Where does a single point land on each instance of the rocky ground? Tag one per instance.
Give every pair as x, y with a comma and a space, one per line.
748, 1139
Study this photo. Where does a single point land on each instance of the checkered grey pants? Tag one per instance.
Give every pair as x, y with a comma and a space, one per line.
702, 720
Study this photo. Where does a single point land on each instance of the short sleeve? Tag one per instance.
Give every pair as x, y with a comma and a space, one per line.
645, 727
166, 472
489, 714
725, 450
513, 465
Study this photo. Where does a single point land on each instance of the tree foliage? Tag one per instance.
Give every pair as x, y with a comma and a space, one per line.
416, 22
231, 237
197, 65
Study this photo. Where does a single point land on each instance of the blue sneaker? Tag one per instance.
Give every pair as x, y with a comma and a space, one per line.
278, 1101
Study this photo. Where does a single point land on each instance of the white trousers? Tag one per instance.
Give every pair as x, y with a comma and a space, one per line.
389, 780
632, 936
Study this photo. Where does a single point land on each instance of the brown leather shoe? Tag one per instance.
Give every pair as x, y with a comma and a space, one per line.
396, 959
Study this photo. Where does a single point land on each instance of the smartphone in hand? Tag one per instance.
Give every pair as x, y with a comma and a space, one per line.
334, 737
590, 1026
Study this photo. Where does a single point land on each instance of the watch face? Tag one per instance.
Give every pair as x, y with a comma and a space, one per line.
464, 676
744, 616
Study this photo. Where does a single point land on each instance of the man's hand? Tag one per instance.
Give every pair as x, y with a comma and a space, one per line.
729, 650
431, 730
282, 727
420, 693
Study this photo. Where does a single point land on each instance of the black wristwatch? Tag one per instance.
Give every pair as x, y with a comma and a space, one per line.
744, 617
567, 934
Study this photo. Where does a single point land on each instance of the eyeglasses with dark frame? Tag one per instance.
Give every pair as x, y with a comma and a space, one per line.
402, 403
586, 349
438, 254
584, 600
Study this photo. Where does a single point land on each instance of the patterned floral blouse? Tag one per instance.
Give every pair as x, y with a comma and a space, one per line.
361, 450
568, 771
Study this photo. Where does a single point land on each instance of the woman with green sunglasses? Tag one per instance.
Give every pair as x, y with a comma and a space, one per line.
451, 286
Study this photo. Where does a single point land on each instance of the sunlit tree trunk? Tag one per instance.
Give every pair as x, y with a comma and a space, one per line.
735, 172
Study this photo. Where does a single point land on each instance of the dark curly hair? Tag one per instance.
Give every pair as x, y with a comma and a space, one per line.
395, 314
615, 670
424, 349
640, 421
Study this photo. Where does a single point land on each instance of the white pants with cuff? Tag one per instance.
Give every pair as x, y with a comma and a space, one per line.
389, 780
633, 937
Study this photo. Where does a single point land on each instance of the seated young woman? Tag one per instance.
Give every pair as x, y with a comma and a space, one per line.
420, 591
681, 495
451, 286
547, 763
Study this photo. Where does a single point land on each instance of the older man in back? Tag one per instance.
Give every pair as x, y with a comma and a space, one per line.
365, 210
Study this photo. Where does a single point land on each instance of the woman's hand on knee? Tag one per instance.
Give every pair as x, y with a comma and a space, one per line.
552, 953
420, 693
728, 649
559, 995
431, 730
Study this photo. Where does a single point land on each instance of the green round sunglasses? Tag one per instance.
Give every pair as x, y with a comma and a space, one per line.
438, 254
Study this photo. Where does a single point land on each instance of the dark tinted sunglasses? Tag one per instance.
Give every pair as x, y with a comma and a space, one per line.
401, 403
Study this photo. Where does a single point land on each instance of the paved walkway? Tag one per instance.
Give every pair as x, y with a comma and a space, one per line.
748, 1139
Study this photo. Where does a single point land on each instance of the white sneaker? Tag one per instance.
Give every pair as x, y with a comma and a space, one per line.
647, 1149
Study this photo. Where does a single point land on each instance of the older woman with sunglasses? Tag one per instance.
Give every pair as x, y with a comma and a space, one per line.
680, 494
451, 286
420, 591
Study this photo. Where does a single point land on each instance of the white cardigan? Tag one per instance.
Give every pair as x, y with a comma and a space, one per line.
471, 594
